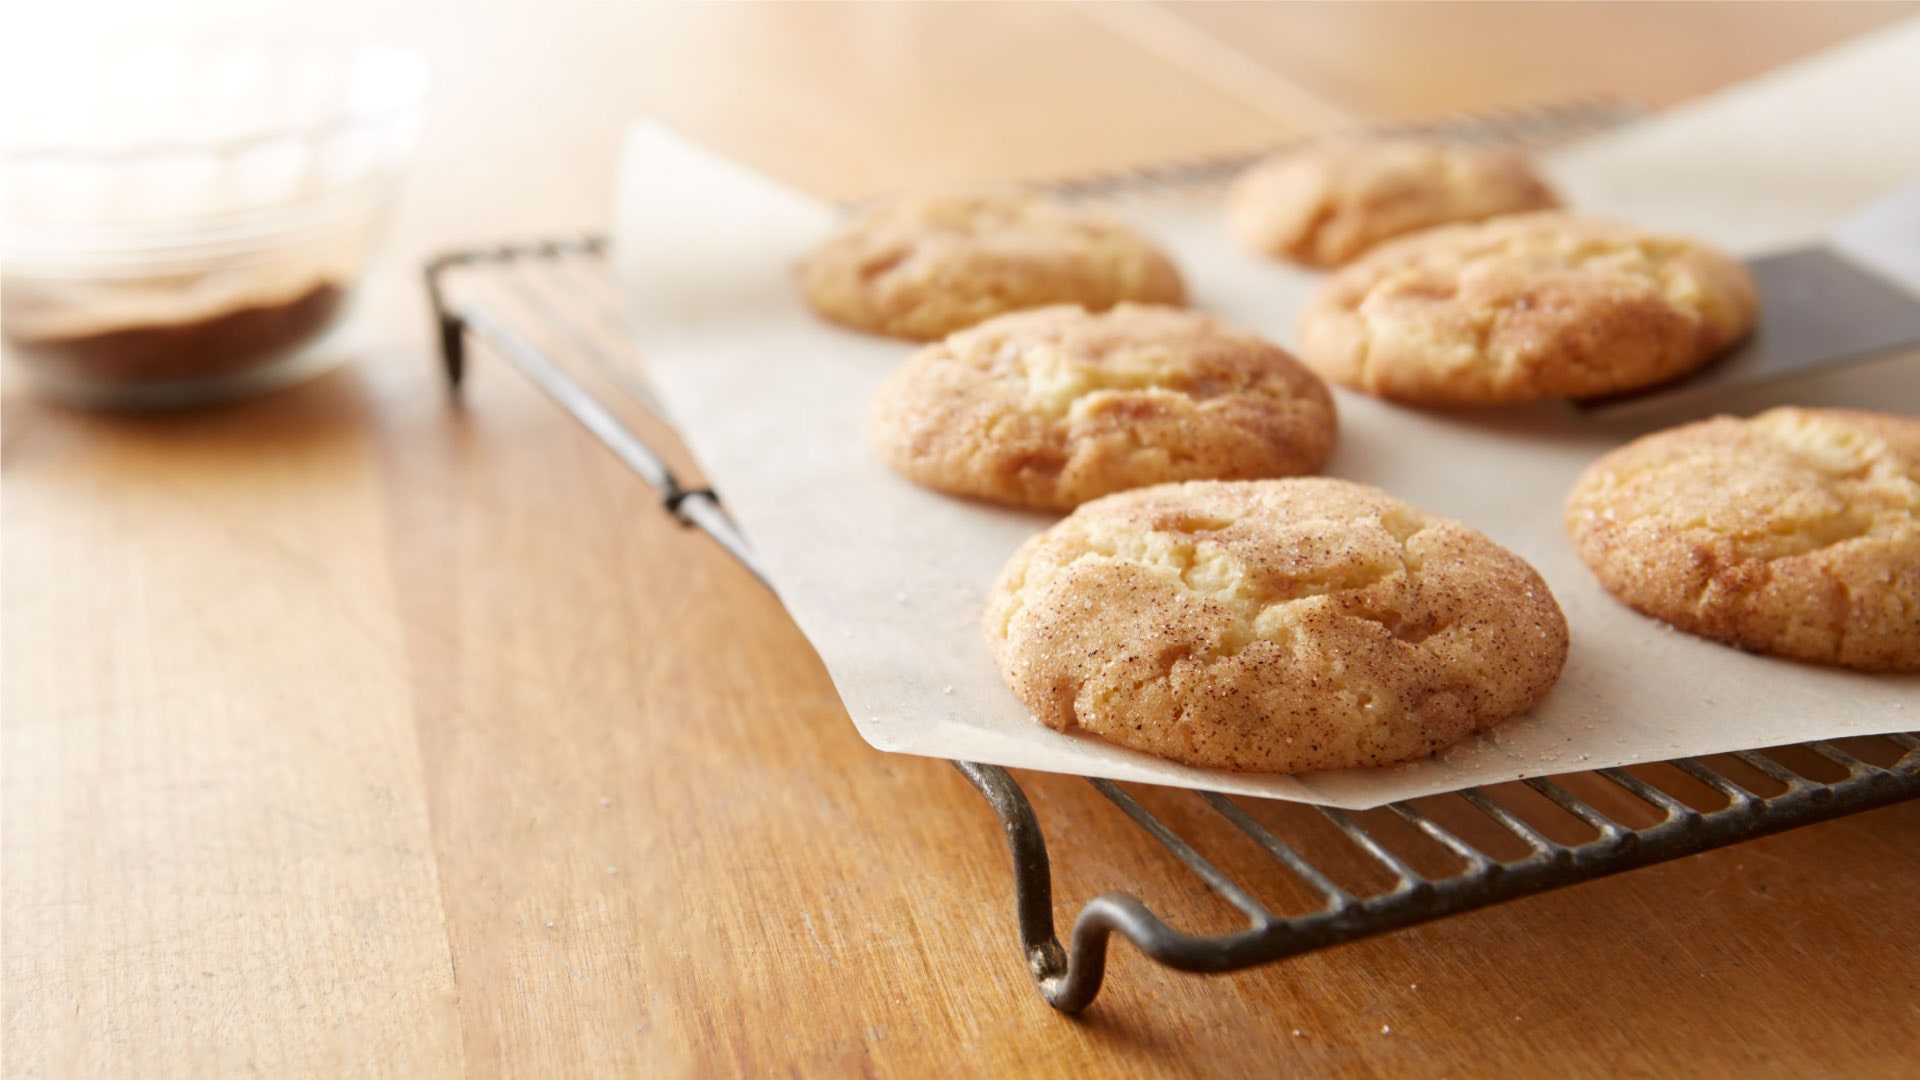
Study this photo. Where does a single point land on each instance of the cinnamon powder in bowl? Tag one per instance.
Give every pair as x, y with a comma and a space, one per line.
182, 224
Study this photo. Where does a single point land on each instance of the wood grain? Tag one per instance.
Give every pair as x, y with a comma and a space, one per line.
1404, 60
216, 820
351, 732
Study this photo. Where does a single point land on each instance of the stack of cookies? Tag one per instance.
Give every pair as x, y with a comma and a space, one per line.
1208, 599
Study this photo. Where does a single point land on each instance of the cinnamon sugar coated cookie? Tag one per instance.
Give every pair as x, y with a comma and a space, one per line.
924, 266
1795, 533
1272, 626
1324, 205
1524, 307
1053, 407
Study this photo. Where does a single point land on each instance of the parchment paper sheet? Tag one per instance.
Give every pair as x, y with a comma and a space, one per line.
888, 580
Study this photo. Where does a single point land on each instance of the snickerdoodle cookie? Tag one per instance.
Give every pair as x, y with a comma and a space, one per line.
1272, 626
1327, 203
1053, 407
1523, 307
1795, 533
922, 267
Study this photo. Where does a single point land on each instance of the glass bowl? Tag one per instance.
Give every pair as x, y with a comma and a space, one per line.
182, 223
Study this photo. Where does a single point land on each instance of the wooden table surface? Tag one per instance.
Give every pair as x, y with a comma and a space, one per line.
348, 732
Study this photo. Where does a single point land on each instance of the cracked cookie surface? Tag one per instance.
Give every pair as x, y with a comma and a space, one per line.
1053, 407
924, 266
1272, 626
1524, 307
1795, 533
1326, 204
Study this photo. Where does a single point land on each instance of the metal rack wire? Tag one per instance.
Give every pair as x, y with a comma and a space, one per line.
552, 310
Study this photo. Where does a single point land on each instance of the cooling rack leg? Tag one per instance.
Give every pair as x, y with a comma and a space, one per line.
453, 349
1067, 987
453, 336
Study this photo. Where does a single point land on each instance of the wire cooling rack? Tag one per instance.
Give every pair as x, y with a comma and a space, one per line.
552, 310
